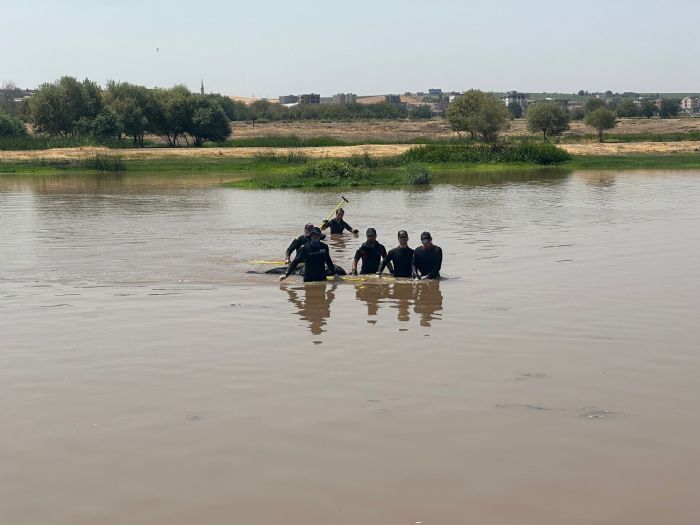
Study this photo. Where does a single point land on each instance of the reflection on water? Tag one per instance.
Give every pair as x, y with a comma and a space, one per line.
428, 302
313, 301
485, 178
343, 246
424, 297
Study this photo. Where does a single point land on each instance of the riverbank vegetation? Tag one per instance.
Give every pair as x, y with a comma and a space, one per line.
69, 112
268, 168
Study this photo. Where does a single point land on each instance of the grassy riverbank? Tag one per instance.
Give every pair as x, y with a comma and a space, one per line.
282, 168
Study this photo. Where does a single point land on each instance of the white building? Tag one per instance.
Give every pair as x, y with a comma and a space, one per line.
345, 98
691, 104
518, 98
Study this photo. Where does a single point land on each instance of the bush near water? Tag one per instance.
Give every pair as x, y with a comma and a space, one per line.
100, 162
334, 173
526, 153
417, 175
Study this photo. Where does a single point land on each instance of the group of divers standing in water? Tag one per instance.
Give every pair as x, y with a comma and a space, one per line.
422, 263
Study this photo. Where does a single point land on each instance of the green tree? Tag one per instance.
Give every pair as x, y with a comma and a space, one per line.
462, 111
491, 118
669, 108
592, 104
136, 109
627, 108
578, 114
209, 122
235, 110
601, 120
63, 108
648, 108
11, 126
515, 110
106, 124
548, 118
177, 106
9, 92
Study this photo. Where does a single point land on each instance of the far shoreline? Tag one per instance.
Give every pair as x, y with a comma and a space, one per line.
263, 167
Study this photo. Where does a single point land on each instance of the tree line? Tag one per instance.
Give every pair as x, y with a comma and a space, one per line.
622, 107
264, 110
70, 108
484, 117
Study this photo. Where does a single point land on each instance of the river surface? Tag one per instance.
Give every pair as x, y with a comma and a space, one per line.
552, 378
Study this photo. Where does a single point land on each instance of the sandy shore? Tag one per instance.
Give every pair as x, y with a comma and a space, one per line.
208, 153
330, 152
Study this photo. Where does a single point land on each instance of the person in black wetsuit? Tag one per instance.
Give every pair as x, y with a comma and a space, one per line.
337, 224
300, 241
400, 259
316, 256
427, 258
371, 253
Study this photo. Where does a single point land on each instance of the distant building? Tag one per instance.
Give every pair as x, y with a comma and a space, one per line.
392, 99
201, 88
310, 98
435, 92
690, 104
289, 99
516, 97
345, 98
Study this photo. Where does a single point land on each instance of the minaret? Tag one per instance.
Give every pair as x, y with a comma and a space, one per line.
201, 89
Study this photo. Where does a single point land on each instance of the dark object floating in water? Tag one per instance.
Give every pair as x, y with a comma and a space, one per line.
339, 270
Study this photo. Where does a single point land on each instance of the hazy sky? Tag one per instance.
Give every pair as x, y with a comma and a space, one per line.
364, 46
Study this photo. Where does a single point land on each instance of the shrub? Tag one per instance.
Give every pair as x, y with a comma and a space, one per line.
267, 155
602, 120
296, 157
291, 157
549, 118
39, 142
528, 152
365, 160
417, 175
100, 162
334, 172
537, 153
11, 126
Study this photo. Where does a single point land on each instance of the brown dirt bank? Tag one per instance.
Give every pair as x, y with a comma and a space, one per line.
155, 153
631, 148
330, 152
437, 128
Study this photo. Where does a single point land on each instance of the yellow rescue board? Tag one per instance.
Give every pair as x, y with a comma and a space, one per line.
363, 278
276, 263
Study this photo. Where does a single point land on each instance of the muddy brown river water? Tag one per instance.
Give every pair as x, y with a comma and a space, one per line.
552, 378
